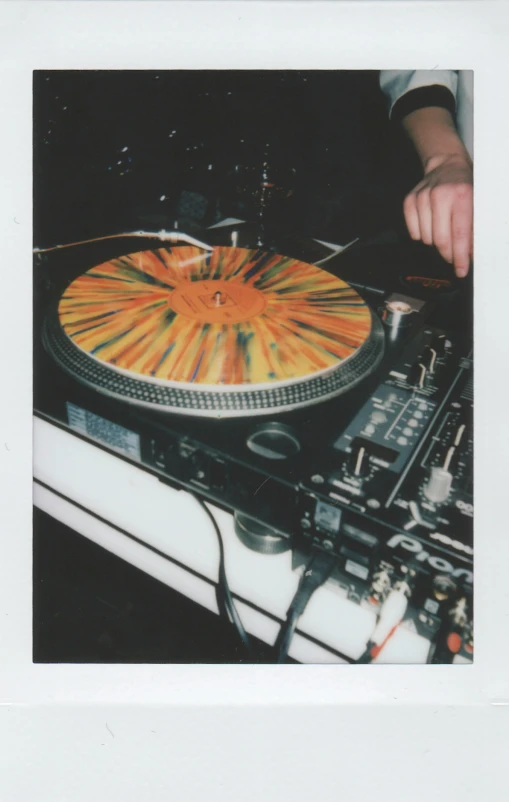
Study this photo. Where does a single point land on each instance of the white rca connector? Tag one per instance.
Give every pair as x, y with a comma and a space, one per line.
392, 612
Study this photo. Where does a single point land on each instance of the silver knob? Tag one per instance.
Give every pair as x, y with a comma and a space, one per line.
438, 486
397, 314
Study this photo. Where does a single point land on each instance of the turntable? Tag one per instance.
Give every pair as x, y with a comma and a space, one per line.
327, 409
232, 332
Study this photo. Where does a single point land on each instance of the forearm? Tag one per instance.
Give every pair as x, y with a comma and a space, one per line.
439, 209
435, 138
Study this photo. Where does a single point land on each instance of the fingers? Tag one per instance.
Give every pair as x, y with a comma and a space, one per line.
412, 216
441, 211
443, 216
461, 233
423, 202
418, 217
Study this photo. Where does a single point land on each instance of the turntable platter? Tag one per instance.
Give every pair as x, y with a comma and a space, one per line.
187, 328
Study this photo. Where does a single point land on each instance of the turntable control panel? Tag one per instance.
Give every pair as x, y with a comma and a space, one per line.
398, 502
374, 451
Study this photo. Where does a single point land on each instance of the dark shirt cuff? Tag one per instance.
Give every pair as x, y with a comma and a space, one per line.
423, 97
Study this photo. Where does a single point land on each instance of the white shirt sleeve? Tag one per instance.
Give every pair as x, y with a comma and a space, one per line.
396, 83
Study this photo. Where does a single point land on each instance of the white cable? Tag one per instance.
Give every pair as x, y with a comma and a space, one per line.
392, 613
165, 236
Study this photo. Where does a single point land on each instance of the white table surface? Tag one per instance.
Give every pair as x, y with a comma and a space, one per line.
165, 533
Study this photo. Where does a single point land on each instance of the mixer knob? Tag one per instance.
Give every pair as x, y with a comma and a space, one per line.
359, 462
430, 360
438, 486
439, 345
397, 314
418, 375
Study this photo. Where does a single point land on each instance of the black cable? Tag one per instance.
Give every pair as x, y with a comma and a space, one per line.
223, 594
366, 657
316, 573
286, 635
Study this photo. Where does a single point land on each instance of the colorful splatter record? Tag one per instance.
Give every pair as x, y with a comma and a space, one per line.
231, 316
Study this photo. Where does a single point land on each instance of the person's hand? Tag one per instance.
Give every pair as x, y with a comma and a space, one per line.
439, 210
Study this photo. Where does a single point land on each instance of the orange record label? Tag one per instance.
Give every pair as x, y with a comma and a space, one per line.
217, 301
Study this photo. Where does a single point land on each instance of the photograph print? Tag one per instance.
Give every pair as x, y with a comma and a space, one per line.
253, 370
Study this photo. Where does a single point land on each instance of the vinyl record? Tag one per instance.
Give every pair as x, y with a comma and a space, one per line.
243, 323
229, 317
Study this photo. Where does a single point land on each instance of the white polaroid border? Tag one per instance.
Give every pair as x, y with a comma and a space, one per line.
303, 719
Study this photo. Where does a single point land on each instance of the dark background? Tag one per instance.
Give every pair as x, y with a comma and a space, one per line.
109, 144
92, 607
118, 151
